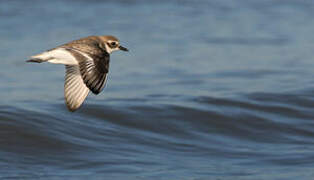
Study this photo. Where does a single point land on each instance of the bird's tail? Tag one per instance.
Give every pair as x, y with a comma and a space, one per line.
36, 60
42, 57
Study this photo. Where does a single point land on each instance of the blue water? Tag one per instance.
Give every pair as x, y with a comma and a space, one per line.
215, 89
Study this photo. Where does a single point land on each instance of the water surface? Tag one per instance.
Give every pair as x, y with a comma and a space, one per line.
209, 90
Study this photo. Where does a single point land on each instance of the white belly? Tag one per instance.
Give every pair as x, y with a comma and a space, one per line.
57, 56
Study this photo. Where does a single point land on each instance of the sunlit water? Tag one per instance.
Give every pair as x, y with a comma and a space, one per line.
209, 90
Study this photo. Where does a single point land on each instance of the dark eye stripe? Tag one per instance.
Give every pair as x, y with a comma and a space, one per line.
112, 44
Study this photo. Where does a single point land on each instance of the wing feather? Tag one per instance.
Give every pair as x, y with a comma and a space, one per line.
93, 69
75, 90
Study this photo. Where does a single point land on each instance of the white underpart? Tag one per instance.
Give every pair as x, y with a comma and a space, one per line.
57, 56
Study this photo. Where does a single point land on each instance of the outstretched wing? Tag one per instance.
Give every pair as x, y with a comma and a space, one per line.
93, 69
75, 90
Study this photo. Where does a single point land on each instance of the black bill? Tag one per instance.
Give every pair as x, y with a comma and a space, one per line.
123, 48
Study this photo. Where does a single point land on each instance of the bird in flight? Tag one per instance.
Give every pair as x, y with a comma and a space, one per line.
86, 63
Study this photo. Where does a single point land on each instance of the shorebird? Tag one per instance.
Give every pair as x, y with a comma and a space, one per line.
86, 62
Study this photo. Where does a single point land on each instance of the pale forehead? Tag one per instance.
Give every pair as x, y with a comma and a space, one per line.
108, 38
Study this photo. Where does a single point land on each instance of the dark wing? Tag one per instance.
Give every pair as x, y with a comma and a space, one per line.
93, 69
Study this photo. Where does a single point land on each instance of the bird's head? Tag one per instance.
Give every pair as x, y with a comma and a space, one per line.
112, 44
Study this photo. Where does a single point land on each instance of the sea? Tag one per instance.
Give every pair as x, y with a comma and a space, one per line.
210, 90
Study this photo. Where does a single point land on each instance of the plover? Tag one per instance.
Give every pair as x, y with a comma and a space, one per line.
86, 63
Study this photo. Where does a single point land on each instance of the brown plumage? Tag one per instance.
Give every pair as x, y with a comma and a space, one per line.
87, 64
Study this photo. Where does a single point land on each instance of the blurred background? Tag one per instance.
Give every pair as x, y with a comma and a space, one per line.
211, 89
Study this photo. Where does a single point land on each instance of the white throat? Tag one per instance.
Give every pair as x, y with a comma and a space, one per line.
108, 49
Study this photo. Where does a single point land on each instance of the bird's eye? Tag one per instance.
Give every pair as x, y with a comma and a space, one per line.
113, 43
